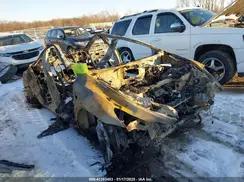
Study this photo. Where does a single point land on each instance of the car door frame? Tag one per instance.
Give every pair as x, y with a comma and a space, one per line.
130, 34
48, 38
61, 42
53, 38
186, 32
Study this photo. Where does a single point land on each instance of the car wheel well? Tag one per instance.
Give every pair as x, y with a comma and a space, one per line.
124, 48
121, 49
215, 47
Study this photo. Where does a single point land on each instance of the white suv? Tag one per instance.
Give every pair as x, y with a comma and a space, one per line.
186, 33
18, 49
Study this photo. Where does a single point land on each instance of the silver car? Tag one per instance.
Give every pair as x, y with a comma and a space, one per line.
18, 49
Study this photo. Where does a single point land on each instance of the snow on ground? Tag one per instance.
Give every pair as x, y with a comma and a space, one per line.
63, 154
214, 150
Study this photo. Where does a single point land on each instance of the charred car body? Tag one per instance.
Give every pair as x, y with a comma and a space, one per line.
121, 102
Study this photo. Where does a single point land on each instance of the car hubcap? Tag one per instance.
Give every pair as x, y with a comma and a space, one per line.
4, 70
217, 66
126, 56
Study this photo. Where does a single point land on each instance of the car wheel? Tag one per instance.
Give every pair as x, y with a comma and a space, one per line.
85, 120
7, 72
29, 95
221, 64
126, 55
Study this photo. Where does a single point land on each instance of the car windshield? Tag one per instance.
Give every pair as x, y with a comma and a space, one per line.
197, 17
76, 32
14, 40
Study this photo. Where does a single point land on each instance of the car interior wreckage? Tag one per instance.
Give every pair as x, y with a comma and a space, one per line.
92, 89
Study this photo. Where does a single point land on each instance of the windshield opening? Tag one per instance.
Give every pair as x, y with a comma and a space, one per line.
76, 32
197, 17
14, 40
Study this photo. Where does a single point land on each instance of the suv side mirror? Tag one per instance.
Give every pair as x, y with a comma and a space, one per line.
60, 35
178, 27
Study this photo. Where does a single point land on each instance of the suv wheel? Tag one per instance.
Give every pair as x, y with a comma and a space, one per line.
7, 72
221, 64
126, 55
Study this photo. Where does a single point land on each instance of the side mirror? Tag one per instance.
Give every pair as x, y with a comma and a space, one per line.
177, 27
60, 36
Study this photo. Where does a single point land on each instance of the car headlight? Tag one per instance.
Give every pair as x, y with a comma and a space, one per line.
4, 55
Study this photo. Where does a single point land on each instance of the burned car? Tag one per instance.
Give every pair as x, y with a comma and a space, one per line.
119, 102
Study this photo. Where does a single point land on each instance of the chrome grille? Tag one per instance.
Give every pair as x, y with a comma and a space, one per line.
25, 55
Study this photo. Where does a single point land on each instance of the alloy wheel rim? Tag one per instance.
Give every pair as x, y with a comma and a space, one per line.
126, 56
217, 66
4, 71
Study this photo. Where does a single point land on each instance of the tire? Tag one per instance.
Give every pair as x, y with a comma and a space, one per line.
33, 101
223, 67
88, 120
7, 72
30, 97
126, 51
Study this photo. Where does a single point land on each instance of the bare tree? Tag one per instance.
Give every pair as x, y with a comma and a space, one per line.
183, 3
213, 5
80, 21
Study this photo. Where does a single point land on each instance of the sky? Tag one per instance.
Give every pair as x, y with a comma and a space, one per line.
31, 10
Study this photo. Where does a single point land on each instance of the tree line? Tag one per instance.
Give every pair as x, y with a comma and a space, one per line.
213, 5
80, 21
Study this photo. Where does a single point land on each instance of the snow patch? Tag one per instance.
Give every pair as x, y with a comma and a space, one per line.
65, 154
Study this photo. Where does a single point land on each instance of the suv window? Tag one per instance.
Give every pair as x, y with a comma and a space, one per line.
53, 33
49, 34
197, 17
142, 25
164, 21
121, 27
59, 33
76, 32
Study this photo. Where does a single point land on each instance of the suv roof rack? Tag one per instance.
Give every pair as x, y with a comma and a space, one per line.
128, 16
150, 11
